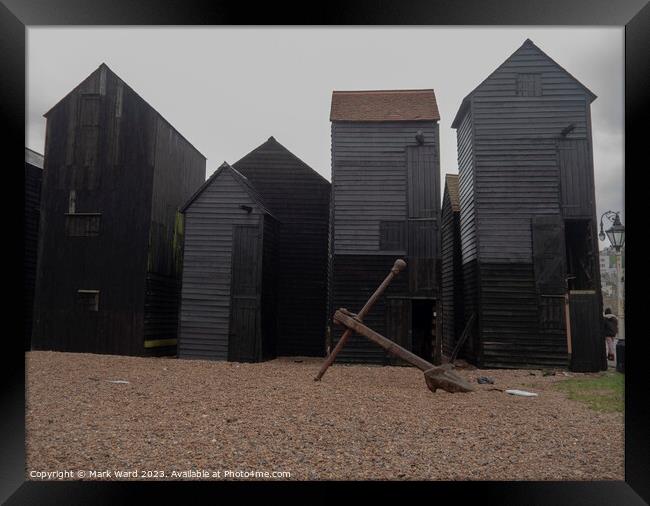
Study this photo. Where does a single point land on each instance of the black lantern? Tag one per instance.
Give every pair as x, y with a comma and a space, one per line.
616, 233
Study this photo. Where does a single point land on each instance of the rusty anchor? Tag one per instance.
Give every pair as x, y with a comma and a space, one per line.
435, 376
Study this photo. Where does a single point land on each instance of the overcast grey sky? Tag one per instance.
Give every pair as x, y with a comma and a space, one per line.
228, 89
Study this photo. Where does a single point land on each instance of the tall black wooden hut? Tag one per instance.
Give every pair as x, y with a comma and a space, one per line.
527, 216
299, 197
228, 303
451, 276
385, 205
115, 174
31, 218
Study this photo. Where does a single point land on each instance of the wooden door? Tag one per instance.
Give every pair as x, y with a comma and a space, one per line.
398, 326
549, 255
576, 178
244, 340
421, 182
587, 344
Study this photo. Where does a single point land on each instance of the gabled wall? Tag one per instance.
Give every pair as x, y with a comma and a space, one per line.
204, 319
100, 157
509, 174
299, 197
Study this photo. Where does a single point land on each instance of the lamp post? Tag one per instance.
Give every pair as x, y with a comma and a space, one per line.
616, 236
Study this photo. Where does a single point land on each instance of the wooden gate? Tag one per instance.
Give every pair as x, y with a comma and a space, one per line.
245, 333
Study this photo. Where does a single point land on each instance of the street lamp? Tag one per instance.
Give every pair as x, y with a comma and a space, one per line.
616, 236
616, 233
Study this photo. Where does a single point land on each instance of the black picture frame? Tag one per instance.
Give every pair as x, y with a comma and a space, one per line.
15, 15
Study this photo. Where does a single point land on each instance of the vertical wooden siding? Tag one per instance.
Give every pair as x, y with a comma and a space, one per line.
178, 171
101, 143
115, 261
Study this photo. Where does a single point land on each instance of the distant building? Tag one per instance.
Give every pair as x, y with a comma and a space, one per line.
609, 284
608, 260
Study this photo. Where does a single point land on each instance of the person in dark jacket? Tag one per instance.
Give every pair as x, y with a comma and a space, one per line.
610, 330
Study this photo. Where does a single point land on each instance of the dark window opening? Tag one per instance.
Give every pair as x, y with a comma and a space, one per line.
581, 268
392, 236
88, 300
423, 328
82, 224
529, 85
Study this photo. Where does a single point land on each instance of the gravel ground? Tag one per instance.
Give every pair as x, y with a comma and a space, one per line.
359, 422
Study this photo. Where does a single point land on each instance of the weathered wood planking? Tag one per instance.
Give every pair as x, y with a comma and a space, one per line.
108, 152
226, 203
524, 151
299, 197
385, 204
452, 269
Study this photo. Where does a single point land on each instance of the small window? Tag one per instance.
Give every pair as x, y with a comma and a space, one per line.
88, 300
392, 236
529, 85
82, 224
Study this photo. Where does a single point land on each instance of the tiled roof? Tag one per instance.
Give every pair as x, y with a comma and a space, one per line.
451, 183
384, 105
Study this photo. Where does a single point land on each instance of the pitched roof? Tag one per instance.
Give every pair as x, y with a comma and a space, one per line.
273, 145
239, 178
528, 44
384, 105
451, 187
104, 67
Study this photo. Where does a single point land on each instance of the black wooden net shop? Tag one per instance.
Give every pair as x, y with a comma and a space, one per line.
228, 303
299, 197
109, 266
385, 204
527, 217
451, 278
31, 218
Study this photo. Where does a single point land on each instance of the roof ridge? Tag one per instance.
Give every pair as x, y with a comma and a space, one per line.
103, 65
274, 141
